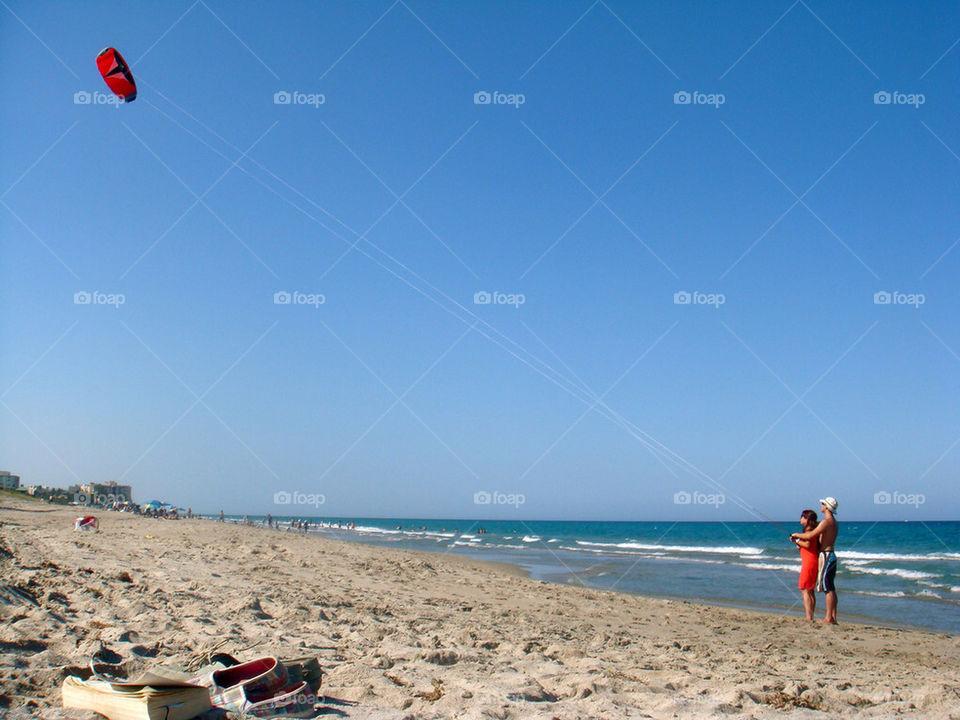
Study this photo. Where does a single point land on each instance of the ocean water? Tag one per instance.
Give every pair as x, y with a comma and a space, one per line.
903, 573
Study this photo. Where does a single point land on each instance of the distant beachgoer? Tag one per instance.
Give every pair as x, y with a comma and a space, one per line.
221, 516
809, 554
826, 532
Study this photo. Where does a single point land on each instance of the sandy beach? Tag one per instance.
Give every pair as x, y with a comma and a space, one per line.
394, 629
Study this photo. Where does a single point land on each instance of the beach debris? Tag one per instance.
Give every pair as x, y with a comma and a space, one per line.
87, 523
396, 681
432, 695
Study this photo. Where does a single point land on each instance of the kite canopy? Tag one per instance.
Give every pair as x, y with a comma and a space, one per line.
116, 74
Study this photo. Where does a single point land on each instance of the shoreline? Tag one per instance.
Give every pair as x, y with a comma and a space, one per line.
390, 622
361, 538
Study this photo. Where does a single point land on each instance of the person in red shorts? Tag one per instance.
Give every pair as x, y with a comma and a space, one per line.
809, 555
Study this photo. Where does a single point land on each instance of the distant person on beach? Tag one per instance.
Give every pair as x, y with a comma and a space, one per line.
221, 516
826, 533
809, 555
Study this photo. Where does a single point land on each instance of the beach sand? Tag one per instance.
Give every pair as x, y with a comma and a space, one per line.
392, 626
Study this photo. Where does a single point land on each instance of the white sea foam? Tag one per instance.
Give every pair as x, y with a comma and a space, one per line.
902, 557
895, 572
872, 593
769, 566
722, 549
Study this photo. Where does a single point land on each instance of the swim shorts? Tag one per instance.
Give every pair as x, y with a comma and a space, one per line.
826, 571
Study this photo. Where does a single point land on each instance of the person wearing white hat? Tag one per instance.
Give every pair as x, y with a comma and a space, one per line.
826, 532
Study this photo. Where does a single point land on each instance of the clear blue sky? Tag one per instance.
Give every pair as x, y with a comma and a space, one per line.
597, 199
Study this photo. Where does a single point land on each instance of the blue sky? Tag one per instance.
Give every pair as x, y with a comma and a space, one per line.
784, 190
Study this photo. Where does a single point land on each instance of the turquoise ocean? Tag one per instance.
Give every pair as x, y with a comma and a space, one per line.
894, 573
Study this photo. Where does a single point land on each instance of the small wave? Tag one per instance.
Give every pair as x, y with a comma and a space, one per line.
596, 551
902, 557
895, 572
872, 593
368, 529
723, 549
769, 566
531, 538
458, 543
